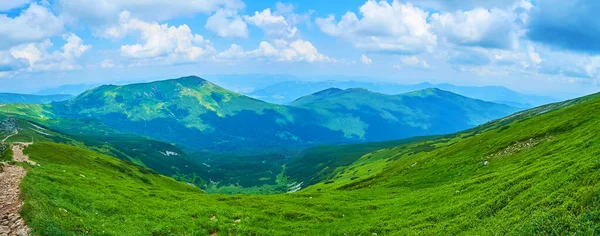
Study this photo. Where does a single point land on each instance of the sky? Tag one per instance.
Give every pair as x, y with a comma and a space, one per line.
546, 47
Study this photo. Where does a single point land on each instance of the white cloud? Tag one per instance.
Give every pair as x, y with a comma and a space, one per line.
396, 27
486, 41
107, 64
11, 4
487, 28
366, 60
9, 63
284, 8
234, 52
413, 62
34, 24
40, 59
287, 10
533, 56
74, 47
227, 23
159, 41
280, 51
273, 24
479, 27
452, 5
106, 12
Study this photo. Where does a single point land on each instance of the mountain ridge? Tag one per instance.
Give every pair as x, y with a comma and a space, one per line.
10, 98
193, 107
288, 91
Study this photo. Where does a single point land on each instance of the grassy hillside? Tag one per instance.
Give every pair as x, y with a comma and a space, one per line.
533, 173
317, 164
10, 98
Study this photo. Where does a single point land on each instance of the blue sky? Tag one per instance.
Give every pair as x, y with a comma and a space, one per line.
545, 47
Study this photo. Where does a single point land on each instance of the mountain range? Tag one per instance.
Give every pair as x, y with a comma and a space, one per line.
288, 91
207, 135
200, 115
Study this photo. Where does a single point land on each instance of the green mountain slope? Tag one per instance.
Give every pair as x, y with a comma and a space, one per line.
371, 116
199, 115
196, 114
532, 173
10, 98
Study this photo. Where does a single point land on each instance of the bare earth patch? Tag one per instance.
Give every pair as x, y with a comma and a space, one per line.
18, 156
11, 222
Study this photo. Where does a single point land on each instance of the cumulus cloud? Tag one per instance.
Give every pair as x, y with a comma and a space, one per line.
397, 28
9, 63
33, 24
234, 52
495, 61
298, 50
107, 64
568, 64
412, 62
227, 23
568, 25
74, 47
39, 58
280, 51
479, 27
288, 10
159, 41
533, 55
11, 4
273, 24
454, 5
366, 60
106, 12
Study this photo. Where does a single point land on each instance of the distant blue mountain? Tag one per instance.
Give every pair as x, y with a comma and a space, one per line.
70, 89
288, 91
11, 98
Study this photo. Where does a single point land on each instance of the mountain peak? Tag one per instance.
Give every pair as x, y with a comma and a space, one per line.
192, 78
429, 92
185, 81
328, 91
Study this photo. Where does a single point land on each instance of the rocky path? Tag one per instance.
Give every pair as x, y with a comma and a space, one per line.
18, 156
11, 222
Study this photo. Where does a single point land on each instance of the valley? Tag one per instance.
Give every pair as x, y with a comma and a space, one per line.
530, 173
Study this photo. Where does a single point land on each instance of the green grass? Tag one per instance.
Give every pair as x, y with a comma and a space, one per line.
117, 198
5, 153
320, 163
535, 174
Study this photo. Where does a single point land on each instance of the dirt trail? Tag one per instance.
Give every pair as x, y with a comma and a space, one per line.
11, 222
18, 156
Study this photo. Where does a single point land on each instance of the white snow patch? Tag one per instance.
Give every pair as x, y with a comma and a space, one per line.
37, 126
293, 187
169, 153
40, 132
